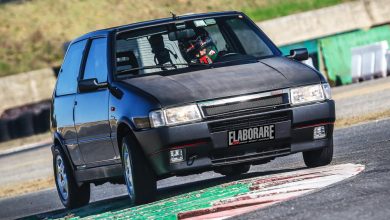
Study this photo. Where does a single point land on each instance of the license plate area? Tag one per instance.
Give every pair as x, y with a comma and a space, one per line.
251, 134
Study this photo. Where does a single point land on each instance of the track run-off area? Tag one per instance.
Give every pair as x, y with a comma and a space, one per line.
234, 198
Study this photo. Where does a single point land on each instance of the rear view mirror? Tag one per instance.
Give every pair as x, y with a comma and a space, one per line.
181, 34
300, 54
88, 85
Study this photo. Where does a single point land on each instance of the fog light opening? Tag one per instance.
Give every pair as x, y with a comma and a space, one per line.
319, 132
176, 155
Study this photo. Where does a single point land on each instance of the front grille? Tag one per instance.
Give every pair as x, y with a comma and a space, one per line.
239, 123
271, 101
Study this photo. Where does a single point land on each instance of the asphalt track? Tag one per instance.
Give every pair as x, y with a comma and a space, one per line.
365, 196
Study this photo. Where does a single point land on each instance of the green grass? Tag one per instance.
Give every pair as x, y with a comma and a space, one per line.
284, 8
288, 7
32, 32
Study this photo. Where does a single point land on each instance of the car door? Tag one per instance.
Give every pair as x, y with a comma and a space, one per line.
64, 99
91, 109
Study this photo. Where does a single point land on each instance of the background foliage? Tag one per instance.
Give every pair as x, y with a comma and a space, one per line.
32, 32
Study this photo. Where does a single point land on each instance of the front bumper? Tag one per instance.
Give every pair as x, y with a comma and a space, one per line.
206, 146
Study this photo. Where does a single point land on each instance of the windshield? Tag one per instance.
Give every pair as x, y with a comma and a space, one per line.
187, 44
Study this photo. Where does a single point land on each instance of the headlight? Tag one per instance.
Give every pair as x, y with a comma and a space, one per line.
174, 116
182, 114
307, 94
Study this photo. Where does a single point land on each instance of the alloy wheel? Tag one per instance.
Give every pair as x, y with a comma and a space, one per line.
62, 178
128, 172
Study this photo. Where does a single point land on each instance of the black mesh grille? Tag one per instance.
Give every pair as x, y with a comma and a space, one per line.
239, 158
230, 156
240, 123
247, 105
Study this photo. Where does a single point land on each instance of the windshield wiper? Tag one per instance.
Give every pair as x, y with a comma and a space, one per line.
192, 64
250, 58
160, 67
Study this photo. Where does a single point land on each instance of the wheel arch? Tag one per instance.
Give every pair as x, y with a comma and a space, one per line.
126, 127
58, 141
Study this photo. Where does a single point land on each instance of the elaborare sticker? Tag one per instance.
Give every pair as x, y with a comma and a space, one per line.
254, 134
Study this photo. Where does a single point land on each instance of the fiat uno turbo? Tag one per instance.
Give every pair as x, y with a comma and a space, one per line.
177, 96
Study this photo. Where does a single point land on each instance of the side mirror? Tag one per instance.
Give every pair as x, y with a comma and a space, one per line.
88, 85
300, 54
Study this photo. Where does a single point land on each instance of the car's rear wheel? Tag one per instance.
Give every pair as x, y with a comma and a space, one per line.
320, 157
139, 177
72, 195
233, 170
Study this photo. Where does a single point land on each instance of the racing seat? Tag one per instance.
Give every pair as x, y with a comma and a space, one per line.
161, 54
126, 60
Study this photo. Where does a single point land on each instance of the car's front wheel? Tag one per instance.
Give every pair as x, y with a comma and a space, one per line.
139, 177
320, 157
72, 195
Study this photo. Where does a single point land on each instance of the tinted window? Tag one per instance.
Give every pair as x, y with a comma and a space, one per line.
67, 79
96, 65
217, 37
249, 39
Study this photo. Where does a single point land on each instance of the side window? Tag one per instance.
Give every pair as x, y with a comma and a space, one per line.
250, 41
67, 79
96, 65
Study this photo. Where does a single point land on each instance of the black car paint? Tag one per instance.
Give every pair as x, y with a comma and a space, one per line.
92, 142
265, 75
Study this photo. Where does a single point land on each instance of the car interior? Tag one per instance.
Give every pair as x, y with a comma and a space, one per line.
175, 46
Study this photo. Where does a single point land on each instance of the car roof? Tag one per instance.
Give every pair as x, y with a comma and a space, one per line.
127, 27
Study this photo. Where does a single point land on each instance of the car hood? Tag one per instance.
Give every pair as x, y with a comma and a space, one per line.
265, 75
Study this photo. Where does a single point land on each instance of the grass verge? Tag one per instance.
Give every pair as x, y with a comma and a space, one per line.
282, 8
345, 122
15, 189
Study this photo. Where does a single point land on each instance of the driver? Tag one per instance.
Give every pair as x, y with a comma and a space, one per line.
201, 48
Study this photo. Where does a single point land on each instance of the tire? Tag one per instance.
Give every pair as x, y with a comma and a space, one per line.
22, 126
234, 170
140, 179
4, 135
319, 157
13, 128
42, 120
45, 119
72, 195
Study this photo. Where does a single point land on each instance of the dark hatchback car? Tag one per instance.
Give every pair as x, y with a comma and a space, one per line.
182, 95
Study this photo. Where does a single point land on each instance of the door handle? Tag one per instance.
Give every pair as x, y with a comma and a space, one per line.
75, 102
